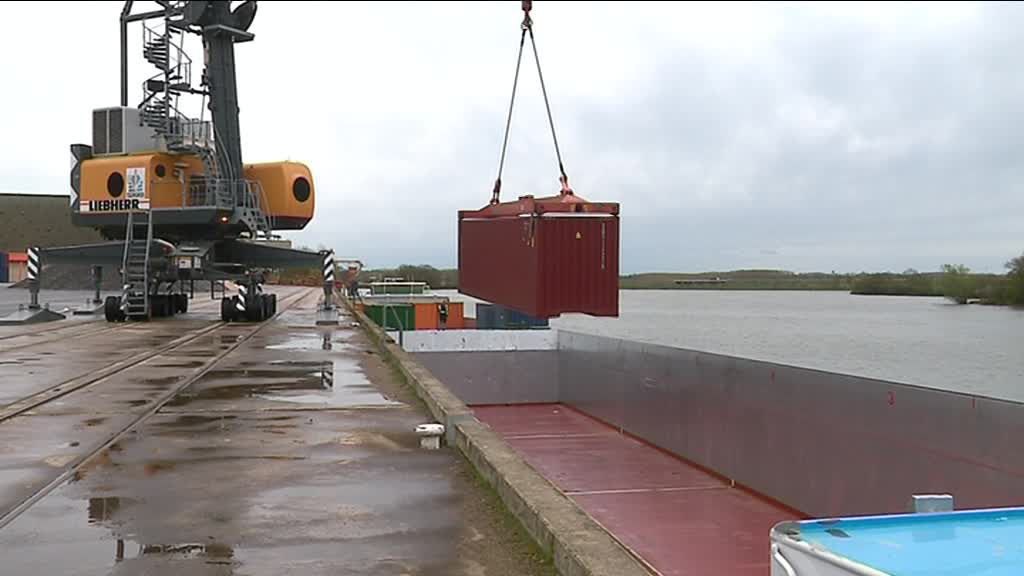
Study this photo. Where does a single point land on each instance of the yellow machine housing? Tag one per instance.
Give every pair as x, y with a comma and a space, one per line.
288, 190
107, 179
111, 186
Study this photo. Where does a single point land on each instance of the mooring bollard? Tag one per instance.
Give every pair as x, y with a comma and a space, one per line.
430, 435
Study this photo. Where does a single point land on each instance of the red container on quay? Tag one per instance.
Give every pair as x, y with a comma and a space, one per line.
542, 256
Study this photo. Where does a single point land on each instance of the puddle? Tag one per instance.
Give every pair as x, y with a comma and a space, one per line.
196, 420
105, 509
162, 382
186, 364
60, 460
196, 353
157, 466
328, 340
134, 403
10, 362
195, 550
95, 421
334, 384
371, 439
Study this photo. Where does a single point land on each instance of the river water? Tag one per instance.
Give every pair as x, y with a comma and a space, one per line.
922, 341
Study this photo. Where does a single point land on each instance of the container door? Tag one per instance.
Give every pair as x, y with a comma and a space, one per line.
580, 266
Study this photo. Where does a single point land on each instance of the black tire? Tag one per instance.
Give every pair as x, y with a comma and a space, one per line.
181, 303
253, 309
273, 305
112, 309
162, 305
264, 307
227, 309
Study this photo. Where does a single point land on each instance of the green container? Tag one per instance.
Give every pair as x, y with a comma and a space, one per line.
393, 316
397, 288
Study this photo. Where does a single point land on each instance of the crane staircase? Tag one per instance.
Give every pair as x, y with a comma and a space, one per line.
163, 48
135, 301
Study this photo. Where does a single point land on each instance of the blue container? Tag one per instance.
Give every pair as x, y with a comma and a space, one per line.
985, 541
494, 317
5, 273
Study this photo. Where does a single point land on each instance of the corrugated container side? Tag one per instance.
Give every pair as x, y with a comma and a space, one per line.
17, 266
497, 262
456, 316
495, 317
516, 319
487, 317
393, 316
375, 313
579, 265
427, 316
3, 267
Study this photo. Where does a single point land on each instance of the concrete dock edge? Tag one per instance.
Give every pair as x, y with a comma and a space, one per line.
578, 545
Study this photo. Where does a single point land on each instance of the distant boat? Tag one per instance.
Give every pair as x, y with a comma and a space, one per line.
691, 281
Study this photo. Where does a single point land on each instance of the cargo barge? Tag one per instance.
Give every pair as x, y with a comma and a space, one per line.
694, 461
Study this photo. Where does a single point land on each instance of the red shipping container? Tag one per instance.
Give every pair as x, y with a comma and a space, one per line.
542, 256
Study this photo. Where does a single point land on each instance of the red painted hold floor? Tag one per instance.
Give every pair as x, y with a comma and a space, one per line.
678, 518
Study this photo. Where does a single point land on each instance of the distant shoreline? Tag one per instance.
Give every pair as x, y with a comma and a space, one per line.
962, 287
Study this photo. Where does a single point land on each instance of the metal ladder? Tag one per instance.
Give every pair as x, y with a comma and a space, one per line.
135, 268
260, 224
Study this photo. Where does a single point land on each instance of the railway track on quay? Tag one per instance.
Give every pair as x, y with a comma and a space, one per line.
58, 397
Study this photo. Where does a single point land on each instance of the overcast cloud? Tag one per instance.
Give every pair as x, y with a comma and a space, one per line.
808, 137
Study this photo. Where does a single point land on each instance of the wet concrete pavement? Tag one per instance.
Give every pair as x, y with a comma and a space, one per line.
294, 454
57, 300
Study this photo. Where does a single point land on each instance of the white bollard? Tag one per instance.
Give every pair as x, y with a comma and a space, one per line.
430, 435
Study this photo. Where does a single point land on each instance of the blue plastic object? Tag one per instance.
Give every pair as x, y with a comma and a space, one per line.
966, 543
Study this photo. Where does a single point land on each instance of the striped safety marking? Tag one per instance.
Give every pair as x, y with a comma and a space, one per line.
240, 303
327, 374
329, 267
33, 264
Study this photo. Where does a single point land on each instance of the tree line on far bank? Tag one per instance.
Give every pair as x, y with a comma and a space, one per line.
955, 282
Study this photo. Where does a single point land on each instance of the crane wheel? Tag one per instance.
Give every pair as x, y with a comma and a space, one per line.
112, 309
227, 309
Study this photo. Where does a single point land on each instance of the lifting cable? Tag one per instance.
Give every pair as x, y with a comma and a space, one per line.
527, 26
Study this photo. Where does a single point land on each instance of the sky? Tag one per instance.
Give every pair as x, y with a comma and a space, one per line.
809, 137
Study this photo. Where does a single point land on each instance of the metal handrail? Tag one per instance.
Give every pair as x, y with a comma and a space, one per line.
212, 193
781, 561
180, 61
179, 64
262, 204
189, 132
127, 243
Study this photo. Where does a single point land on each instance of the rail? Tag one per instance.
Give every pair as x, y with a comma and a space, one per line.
781, 561
186, 132
20, 407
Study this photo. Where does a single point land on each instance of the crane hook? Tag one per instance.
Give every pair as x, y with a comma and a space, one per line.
527, 6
